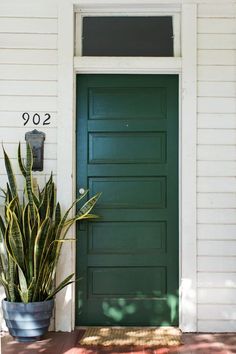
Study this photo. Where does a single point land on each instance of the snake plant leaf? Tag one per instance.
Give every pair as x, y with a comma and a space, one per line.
50, 181
2, 226
23, 288
12, 261
25, 222
2, 267
3, 252
5, 285
11, 268
16, 242
70, 222
89, 216
28, 178
29, 159
64, 218
40, 253
36, 200
10, 174
3, 192
46, 246
30, 256
31, 289
13, 204
33, 230
88, 206
20, 162
9, 194
11, 279
52, 200
44, 205
39, 244
62, 285
57, 214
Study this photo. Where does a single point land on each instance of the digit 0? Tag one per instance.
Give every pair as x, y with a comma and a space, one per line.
36, 119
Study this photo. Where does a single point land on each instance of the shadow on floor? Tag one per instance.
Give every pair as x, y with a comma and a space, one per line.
68, 343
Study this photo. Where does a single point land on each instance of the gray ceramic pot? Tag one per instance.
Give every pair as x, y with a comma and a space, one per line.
27, 322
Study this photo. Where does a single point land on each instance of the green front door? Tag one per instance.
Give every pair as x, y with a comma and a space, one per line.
127, 148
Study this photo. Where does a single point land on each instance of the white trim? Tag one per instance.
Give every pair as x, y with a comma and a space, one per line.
135, 6
188, 310
88, 4
66, 142
78, 33
131, 65
177, 34
64, 320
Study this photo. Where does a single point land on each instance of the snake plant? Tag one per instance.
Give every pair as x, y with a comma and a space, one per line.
32, 232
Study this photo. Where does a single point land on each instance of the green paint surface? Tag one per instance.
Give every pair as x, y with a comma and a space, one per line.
127, 148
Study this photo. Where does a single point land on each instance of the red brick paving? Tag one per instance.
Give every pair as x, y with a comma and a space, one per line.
68, 343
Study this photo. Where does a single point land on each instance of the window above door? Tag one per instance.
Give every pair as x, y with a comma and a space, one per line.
127, 35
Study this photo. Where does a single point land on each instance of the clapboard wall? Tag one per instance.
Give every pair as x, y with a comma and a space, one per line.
216, 167
28, 83
28, 77
28, 80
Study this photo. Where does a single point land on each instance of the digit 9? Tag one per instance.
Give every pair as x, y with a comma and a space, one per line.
26, 117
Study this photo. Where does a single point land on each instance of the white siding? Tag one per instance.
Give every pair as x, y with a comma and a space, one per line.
216, 57
28, 56
216, 167
28, 80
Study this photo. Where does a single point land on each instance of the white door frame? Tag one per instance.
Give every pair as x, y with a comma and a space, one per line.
66, 176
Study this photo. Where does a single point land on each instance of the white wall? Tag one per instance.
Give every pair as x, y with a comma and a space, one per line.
28, 82
28, 79
216, 167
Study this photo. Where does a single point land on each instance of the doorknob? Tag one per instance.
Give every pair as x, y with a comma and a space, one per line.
81, 191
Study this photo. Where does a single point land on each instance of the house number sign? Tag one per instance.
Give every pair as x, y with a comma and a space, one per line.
36, 118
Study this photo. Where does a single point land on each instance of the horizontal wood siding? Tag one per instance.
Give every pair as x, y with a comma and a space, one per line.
216, 57
28, 83
28, 80
216, 167
28, 56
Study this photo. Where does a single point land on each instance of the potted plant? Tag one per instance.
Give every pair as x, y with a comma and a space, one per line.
32, 232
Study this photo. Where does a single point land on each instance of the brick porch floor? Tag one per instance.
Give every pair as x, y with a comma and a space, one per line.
68, 343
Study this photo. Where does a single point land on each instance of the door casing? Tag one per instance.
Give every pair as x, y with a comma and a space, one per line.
185, 66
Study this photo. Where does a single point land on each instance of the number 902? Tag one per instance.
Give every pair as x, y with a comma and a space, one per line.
36, 119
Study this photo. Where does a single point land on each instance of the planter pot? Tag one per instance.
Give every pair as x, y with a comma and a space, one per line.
27, 322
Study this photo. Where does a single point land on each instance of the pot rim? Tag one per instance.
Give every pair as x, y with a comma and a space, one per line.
27, 303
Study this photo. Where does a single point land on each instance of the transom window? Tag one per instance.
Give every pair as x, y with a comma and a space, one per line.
127, 36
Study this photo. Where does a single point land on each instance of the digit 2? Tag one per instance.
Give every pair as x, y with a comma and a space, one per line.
47, 119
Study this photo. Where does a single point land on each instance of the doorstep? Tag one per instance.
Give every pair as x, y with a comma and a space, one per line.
68, 343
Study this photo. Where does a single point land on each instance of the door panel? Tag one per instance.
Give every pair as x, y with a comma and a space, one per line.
131, 102
110, 237
127, 148
126, 282
124, 148
152, 192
